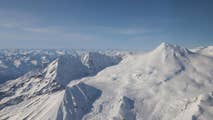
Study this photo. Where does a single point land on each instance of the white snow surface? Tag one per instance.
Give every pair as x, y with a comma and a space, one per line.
208, 51
168, 83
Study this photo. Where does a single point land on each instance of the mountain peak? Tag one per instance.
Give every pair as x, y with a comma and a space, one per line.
68, 67
165, 45
167, 48
65, 69
172, 56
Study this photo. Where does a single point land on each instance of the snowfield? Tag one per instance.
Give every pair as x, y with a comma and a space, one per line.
168, 83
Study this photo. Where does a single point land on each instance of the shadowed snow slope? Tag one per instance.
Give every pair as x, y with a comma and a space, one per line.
69, 104
168, 83
65, 69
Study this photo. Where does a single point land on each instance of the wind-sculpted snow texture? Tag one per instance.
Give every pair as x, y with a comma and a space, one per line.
77, 101
168, 83
69, 104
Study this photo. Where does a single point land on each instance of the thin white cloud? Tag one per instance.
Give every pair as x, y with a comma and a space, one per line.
41, 30
7, 25
128, 30
27, 26
78, 36
141, 38
12, 18
133, 31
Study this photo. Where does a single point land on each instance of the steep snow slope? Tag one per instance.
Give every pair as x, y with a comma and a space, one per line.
69, 104
168, 83
96, 62
65, 69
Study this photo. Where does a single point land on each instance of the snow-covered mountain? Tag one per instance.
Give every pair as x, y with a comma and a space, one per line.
168, 83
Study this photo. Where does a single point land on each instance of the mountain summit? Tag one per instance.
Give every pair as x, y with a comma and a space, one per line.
166, 49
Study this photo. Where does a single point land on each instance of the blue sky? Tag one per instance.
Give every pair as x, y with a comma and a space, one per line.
105, 24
